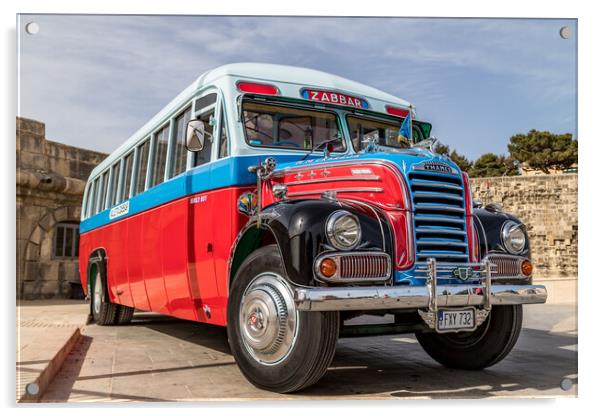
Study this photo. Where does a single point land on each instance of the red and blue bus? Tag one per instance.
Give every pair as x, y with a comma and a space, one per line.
282, 202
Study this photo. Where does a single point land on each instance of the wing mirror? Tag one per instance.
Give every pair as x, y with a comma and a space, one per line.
195, 135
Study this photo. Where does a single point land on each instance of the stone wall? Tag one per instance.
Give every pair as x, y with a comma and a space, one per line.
50, 183
547, 204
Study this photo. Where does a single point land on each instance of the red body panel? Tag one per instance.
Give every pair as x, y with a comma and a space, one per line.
376, 183
172, 259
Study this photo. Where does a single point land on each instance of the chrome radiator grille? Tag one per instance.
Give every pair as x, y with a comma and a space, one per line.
505, 266
439, 217
364, 266
356, 267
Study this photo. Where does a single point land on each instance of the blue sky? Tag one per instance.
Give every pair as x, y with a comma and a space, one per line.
94, 80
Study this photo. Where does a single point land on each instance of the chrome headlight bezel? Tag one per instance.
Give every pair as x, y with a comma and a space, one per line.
334, 227
512, 230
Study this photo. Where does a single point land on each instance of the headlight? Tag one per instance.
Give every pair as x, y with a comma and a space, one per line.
513, 237
343, 230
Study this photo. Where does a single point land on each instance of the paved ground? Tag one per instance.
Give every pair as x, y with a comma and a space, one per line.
44, 327
158, 358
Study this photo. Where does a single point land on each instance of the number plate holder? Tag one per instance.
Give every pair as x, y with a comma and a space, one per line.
456, 320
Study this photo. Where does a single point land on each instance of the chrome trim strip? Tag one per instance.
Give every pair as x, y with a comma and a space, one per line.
435, 195
439, 207
334, 179
421, 217
436, 184
439, 231
338, 191
414, 297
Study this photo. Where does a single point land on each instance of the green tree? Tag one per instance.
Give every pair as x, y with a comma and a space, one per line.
441, 149
460, 160
544, 150
491, 164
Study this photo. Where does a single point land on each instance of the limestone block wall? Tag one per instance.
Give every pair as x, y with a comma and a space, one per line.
50, 183
547, 204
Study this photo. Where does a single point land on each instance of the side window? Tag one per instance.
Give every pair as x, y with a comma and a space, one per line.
143, 151
223, 137
90, 200
162, 138
204, 156
102, 192
114, 183
127, 176
180, 153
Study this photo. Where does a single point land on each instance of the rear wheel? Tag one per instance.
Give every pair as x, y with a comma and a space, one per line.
103, 311
484, 347
124, 315
277, 347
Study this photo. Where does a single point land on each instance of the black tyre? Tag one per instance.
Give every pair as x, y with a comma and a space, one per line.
103, 311
484, 347
124, 315
276, 346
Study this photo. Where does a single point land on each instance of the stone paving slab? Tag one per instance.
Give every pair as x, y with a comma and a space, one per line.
46, 330
158, 358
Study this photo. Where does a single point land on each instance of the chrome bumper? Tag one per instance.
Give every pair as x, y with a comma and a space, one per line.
407, 297
431, 296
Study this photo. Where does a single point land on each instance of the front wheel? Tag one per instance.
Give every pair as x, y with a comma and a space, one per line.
276, 346
484, 347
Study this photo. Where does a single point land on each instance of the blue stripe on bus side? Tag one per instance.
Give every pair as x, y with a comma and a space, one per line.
233, 171
226, 172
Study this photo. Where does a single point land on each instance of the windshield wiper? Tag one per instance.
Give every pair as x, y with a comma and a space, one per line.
322, 143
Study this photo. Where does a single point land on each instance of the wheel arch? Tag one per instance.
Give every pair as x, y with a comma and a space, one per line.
250, 238
97, 261
298, 228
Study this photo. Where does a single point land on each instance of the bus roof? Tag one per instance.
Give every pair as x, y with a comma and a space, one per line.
281, 74
296, 75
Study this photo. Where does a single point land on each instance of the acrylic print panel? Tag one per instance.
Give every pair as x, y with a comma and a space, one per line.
295, 208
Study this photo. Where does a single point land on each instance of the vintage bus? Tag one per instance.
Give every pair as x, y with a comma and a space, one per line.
282, 202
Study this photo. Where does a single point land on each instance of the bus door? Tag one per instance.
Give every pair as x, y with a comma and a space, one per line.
202, 214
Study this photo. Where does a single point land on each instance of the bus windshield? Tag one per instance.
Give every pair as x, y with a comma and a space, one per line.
282, 127
384, 131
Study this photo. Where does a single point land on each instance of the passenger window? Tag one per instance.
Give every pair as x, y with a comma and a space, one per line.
114, 183
180, 152
223, 137
204, 156
143, 151
127, 176
161, 138
102, 192
90, 200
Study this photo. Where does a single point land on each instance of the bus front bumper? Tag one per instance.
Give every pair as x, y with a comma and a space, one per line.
415, 297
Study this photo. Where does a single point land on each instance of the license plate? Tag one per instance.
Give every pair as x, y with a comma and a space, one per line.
456, 320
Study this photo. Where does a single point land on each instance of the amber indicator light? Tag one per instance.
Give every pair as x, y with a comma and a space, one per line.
328, 267
526, 267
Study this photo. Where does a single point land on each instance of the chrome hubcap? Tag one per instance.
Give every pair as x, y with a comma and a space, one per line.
97, 293
268, 318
